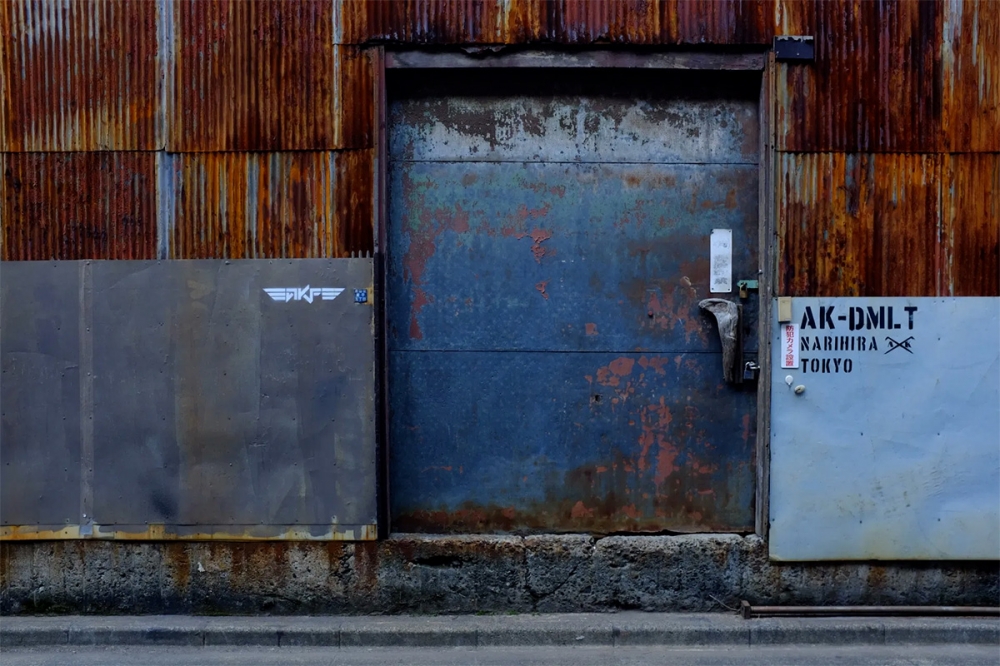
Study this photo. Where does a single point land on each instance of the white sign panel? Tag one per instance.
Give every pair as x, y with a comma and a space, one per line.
884, 440
721, 250
789, 346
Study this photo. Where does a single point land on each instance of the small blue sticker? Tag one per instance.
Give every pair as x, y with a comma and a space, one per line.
360, 295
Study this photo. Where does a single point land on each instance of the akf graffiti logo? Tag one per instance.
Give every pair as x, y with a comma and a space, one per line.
306, 293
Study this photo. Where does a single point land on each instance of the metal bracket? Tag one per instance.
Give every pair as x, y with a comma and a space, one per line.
794, 48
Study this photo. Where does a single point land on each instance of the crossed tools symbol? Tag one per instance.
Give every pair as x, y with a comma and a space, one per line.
894, 345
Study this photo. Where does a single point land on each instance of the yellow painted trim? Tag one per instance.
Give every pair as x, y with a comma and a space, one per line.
158, 532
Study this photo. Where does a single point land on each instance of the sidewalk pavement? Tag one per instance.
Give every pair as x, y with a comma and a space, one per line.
630, 628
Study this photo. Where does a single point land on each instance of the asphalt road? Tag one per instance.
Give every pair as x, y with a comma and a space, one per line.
937, 655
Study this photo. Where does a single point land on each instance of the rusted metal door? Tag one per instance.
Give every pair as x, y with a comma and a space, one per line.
549, 367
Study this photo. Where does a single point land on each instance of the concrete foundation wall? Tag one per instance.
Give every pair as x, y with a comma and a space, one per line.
430, 574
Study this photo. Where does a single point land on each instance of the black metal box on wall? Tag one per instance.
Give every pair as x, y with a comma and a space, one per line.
187, 399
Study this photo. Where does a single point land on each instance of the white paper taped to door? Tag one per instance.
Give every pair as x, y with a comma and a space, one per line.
721, 252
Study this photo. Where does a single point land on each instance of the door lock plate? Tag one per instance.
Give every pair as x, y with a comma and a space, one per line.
746, 285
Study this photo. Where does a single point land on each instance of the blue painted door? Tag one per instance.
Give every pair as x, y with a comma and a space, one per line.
549, 367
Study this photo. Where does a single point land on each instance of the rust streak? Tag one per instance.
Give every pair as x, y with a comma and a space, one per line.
539, 236
622, 366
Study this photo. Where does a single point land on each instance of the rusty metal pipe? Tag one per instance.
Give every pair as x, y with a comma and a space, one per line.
748, 611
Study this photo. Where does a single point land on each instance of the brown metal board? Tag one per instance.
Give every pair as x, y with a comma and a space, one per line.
265, 75
308, 204
78, 205
970, 225
79, 75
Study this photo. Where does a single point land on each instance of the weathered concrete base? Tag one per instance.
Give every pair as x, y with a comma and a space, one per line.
455, 574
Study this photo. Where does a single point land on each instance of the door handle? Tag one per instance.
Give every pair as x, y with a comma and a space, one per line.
728, 316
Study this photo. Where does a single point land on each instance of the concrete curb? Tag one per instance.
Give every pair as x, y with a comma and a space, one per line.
459, 574
590, 629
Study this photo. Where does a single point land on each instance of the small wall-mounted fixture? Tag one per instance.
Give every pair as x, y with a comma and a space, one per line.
794, 48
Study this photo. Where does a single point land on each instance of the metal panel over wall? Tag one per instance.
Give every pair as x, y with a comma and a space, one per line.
144, 205
548, 247
559, 21
889, 225
99, 205
180, 399
262, 205
907, 76
265, 75
80, 75
286, 74
884, 437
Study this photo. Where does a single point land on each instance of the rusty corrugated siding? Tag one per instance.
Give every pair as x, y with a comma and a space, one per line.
6, 39
810, 118
265, 75
907, 224
886, 77
971, 224
892, 77
422, 21
826, 224
558, 21
354, 201
722, 22
268, 205
582, 22
908, 96
99, 205
971, 75
78, 75
872, 86
889, 224
794, 17
355, 98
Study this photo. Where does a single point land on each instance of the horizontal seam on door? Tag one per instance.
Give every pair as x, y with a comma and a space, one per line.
396, 161
558, 351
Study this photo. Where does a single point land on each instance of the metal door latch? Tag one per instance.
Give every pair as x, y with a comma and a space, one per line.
746, 285
750, 371
727, 317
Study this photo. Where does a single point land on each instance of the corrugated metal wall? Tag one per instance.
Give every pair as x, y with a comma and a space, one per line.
899, 114
93, 205
886, 183
231, 130
79, 76
259, 205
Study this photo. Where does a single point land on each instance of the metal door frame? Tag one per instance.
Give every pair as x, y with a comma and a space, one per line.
750, 61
